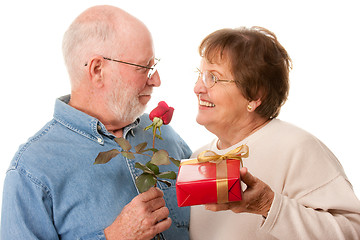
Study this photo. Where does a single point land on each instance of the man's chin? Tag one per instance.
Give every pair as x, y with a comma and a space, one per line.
144, 99
131, 117
137, 111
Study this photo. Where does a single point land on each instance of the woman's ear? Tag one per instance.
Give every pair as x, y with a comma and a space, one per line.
96, 71
252, 105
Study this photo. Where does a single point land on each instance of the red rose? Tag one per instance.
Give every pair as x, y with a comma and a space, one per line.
162, 111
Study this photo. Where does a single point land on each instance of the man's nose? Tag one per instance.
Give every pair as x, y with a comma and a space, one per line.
154, 79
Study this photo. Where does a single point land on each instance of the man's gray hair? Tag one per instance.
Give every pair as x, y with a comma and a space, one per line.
84, 38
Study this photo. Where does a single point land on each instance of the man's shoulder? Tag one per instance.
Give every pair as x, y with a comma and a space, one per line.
33, 147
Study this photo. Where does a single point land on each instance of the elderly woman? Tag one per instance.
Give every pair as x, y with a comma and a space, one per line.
296, 188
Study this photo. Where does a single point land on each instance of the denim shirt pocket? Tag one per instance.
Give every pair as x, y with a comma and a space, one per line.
179, 216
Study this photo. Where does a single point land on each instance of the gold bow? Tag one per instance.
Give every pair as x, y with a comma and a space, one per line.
221, 167
209, 156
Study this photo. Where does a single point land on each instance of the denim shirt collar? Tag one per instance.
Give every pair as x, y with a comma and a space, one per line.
83, 123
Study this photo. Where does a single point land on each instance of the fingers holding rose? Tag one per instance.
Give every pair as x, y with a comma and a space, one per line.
144, 217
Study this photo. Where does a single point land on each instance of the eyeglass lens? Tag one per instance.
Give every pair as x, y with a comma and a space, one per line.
207, 78
153, 69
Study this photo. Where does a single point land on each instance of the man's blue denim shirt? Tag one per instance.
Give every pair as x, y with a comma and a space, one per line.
52, 189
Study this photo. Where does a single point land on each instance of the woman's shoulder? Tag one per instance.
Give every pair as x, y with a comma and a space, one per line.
290, 138
300, 142
288, 131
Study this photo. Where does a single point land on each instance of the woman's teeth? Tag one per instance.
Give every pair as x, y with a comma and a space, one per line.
207, 104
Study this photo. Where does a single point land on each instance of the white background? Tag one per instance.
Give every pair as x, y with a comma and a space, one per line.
320, 36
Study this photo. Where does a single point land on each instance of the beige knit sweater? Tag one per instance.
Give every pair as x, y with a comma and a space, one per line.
313, 197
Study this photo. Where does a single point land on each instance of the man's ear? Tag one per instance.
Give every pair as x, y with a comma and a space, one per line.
96, 71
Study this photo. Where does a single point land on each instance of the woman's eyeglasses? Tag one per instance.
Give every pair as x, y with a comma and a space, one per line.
210, 79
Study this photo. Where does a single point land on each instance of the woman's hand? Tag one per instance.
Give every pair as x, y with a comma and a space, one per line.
257, 198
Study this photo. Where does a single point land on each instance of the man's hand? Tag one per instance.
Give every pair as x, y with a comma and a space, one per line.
144, 217
257, 198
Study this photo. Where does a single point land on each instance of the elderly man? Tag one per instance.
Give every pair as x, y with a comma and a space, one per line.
52, 189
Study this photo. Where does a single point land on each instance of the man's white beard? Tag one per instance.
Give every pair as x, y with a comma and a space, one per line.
124, 103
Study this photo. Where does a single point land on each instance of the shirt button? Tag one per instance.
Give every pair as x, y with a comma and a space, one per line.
99, 140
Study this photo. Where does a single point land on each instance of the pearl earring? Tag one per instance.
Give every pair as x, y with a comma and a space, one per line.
249, 107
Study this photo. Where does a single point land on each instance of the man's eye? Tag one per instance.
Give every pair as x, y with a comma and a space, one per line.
141, 69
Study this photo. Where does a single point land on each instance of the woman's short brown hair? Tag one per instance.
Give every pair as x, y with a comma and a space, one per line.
258, 62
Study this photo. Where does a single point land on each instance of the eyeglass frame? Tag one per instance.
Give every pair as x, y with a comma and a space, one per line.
152, 69
216, 79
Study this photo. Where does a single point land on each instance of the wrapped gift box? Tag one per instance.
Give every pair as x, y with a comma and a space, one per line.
198, 183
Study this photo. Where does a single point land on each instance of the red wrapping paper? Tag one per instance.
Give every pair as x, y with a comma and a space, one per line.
196, 183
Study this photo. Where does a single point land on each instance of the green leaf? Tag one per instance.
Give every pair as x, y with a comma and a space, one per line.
159, 136
148, 127
174, 161
166, 182
152, 149
145, 181
123, 143
153, 167
128, 155
143, 167
167, 175
104, 157
160, 157
141, 147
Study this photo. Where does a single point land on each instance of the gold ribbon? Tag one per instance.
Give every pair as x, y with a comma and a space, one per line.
221, 167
